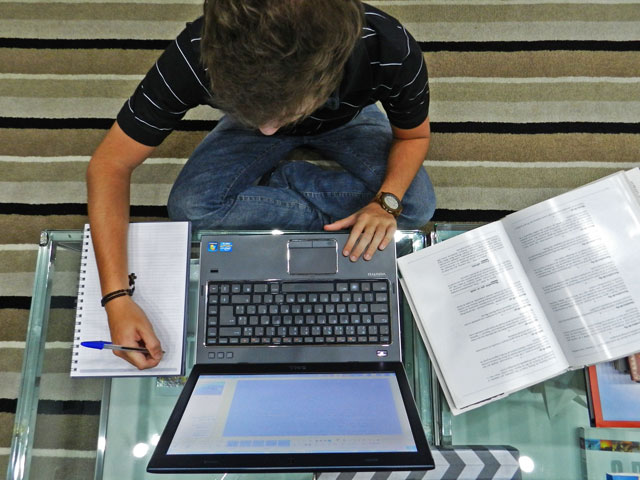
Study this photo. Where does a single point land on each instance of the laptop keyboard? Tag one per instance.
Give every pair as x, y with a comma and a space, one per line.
297, 313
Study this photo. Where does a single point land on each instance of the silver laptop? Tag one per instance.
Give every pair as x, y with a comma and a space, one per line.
298, 363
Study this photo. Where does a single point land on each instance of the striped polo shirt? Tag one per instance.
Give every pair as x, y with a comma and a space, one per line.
386, 65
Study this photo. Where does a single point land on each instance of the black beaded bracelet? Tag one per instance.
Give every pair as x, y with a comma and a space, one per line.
120, 293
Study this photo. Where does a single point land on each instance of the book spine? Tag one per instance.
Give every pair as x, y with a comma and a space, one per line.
86, 238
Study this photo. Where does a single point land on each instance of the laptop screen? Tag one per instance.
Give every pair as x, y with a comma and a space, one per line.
300, 413
293, 420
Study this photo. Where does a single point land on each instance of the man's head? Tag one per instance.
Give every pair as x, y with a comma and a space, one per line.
273, 62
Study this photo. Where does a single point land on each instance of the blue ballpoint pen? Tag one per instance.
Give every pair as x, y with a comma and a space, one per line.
99, 345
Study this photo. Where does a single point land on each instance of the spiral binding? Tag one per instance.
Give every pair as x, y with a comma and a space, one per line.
86, 238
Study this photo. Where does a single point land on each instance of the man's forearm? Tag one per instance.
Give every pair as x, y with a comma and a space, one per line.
405, 159
108, 192
108, 208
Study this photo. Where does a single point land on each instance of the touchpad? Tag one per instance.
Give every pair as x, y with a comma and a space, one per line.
312, 256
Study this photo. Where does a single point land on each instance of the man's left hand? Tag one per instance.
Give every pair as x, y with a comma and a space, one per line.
372, 228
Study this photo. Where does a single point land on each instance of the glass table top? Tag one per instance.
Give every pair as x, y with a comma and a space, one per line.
541, 422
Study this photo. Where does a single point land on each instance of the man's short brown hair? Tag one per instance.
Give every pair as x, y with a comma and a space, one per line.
277, 60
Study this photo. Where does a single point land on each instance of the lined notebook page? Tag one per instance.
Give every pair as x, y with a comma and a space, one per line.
158, 254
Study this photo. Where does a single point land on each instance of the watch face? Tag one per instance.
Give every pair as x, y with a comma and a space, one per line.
391, 202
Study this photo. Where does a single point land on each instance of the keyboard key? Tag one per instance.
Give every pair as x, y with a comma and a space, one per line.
381, 319
379, 286
230, 331
307, 287
226, 316
240, 298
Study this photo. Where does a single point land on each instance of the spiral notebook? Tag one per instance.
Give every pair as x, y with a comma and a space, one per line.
158, 254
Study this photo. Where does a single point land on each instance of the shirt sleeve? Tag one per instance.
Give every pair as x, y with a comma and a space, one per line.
176, 83
407, 105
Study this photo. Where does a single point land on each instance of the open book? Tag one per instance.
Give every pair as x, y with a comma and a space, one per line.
553, 287
158, 253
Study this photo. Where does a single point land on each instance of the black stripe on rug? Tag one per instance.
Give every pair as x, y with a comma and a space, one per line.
490, 46
75, 209
24, 303
437, 127
56, 407
469, 216
532, 46
535, 128
16, 303
441, 215
94, 43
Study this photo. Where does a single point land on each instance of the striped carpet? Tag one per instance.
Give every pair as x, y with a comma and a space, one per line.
529, 98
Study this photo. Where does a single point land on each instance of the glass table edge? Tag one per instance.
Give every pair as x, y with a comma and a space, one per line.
26, 407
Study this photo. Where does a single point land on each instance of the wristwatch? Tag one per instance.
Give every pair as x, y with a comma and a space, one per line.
389, 202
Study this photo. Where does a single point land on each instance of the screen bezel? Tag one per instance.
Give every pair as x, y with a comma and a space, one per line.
162, 462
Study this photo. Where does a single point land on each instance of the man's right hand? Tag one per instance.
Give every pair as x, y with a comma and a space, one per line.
130, 327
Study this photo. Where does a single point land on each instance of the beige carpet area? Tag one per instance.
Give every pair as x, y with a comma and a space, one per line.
530, 98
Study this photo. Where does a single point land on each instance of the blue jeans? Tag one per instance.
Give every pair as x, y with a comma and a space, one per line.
217, 188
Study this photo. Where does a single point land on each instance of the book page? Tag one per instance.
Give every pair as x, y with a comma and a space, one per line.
486, 330
158, 253
582, 252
